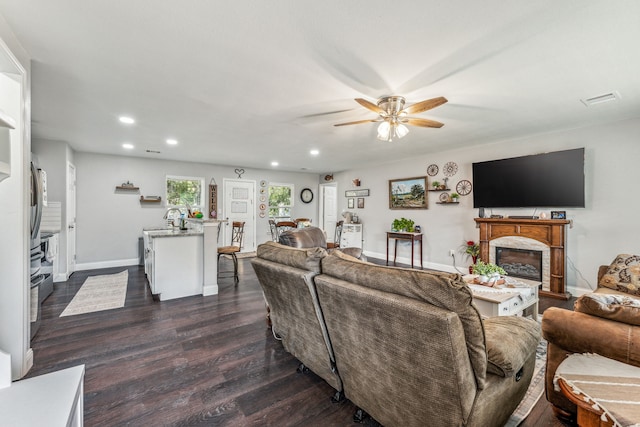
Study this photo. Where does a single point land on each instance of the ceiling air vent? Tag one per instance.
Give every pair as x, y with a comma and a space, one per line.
607, 97
153, 151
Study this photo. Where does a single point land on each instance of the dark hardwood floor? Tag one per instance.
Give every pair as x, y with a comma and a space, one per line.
191, 361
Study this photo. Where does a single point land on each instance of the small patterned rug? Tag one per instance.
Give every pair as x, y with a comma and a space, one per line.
99, 293
535, 390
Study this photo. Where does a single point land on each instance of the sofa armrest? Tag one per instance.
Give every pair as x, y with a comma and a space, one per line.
354, 252
582, 333
510, 341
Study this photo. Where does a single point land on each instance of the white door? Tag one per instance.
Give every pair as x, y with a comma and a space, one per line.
240, 205
71, 219
329, 209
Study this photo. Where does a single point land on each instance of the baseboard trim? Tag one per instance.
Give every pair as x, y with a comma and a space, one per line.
416, 263
107, 264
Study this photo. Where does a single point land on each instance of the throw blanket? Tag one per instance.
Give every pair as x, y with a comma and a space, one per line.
609, 385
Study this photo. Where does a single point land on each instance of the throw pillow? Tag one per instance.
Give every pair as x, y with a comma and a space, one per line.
623, 274
610, 306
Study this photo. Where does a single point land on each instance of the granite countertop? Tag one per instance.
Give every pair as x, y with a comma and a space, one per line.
172, 232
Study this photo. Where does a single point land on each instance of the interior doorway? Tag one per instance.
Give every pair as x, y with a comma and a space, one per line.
239, 205
71, 219
328, 209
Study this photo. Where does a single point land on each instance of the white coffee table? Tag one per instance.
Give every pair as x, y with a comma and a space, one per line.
509, 299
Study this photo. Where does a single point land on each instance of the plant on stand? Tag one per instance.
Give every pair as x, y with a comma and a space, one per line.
473, 249
488, 272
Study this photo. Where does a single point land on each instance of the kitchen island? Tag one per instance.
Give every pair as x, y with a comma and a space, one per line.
181, 263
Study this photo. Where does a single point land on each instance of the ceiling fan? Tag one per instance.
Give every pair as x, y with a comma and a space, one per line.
393, 115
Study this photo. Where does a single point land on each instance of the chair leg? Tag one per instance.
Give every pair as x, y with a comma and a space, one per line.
235, 267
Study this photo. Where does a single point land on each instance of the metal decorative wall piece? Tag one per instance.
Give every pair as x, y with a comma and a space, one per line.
239, 172
450, 169
432, 170
464, 187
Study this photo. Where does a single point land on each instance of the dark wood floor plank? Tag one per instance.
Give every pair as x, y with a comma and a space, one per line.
207, 361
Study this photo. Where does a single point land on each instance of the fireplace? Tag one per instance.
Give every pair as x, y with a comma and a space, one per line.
543, 235
523, 263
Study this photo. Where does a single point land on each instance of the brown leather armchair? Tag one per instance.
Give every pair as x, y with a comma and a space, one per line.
569, 332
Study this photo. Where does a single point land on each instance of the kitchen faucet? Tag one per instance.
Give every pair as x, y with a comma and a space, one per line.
166, 214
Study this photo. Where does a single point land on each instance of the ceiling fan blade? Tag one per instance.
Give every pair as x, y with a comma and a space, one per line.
359, 122
371, 106
425, 105
425, 123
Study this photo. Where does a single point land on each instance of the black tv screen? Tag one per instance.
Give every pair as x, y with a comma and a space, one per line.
552, 180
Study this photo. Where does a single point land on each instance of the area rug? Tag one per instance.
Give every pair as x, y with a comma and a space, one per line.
535, 390
99, 293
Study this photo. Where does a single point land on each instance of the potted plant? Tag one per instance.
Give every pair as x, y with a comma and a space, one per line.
403, 224
454, 197
435, 184
488, 272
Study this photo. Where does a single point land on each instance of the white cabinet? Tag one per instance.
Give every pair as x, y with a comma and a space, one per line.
351, 236
54, 399
6, 125
174, 265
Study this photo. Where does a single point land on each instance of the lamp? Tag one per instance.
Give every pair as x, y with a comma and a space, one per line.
388, 130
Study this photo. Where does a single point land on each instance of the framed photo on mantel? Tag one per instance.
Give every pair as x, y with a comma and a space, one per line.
408, 193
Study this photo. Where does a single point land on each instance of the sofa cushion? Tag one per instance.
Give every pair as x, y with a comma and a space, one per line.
620, 308
623, 274
443, 290
306, 259
510, 342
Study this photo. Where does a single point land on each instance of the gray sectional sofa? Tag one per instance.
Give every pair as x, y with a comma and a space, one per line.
406, 346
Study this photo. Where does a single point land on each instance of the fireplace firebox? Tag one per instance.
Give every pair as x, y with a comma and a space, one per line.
523, 263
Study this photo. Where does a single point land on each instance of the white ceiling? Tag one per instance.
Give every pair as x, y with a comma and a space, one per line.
246, 82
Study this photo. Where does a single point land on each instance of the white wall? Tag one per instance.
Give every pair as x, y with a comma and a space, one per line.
605, 227
109, 223
14, 199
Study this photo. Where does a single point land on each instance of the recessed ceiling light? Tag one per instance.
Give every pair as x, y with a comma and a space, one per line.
126, 120
127, 146
172, 141
314, 152
274, 163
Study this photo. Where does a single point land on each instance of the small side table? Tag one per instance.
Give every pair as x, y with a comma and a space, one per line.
412, 237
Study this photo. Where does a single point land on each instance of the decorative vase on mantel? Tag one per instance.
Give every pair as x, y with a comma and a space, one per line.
474, 258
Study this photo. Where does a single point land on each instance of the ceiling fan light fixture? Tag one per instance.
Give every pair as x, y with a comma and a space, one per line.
401, 130
384, 131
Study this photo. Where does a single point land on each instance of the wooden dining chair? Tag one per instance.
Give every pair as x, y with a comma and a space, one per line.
336, 236
284, 226
237, 233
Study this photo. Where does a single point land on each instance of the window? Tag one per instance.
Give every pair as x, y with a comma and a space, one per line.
183, 190
280, 200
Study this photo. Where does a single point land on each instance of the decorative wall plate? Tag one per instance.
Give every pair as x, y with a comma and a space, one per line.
432, 170
263, 207
263, 198
450, 169
464, 187
262, 214
444, 197
263, 183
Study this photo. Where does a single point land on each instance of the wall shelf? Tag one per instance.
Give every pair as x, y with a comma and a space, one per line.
127, 187
150, 199
441, 190
447, 203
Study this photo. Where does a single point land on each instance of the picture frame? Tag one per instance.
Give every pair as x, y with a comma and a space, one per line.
408, 193
360, 202
350, 203
558, 215
356, 193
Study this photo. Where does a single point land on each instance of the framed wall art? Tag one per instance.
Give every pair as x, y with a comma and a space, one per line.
350, 203
360, 202
408, 193
356, 193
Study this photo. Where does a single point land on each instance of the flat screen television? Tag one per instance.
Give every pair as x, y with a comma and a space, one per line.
551, 180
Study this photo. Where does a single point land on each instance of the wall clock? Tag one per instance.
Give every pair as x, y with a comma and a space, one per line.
463, 187
306, 195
